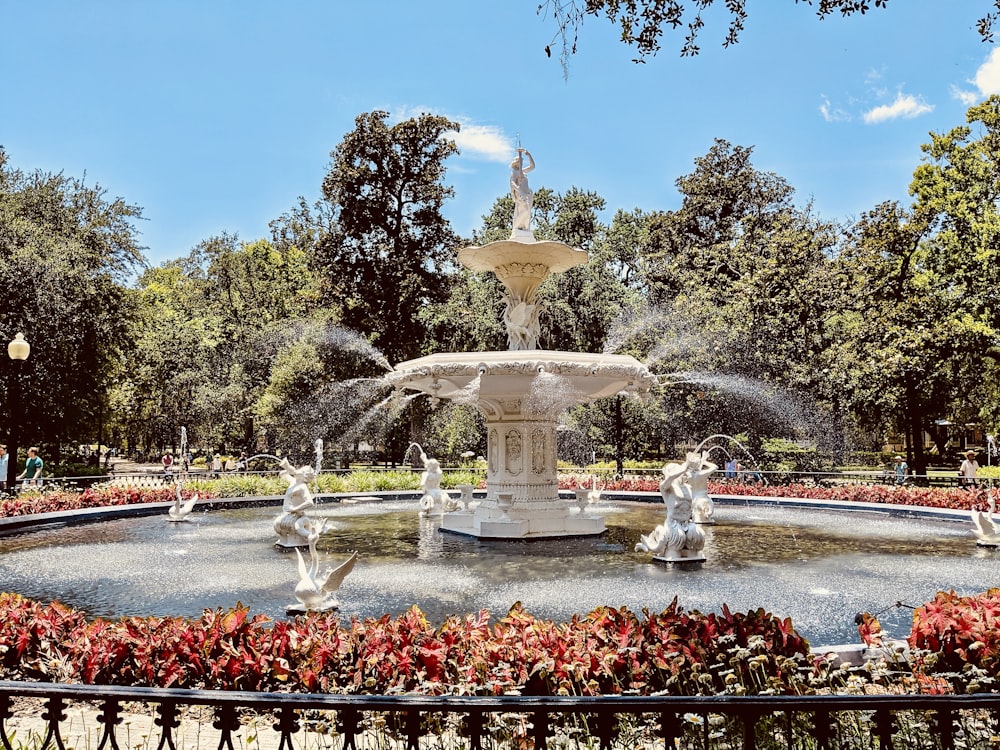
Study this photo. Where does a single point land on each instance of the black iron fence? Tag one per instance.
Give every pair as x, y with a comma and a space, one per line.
414, 722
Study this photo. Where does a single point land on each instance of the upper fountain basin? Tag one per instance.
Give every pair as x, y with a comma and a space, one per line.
509, 373
522, 265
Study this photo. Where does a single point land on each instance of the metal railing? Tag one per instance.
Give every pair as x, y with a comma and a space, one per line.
412, 722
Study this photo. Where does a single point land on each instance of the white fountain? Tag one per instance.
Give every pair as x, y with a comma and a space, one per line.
523, 390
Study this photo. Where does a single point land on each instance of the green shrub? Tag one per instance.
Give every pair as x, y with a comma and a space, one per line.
397, 480
332, 483
452, 479
361, 480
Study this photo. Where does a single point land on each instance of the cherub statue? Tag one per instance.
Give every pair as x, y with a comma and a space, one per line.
698, 472
679, 538
434, 499
293, 526
298, 496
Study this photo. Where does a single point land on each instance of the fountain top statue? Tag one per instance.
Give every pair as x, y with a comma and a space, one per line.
522, 263
522, 196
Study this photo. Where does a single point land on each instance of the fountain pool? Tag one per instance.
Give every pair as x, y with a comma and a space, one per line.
809, 565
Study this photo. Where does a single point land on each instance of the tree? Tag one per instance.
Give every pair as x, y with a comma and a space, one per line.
388, 249
956, 191
738, 292
66, 251
643, 22
212, 327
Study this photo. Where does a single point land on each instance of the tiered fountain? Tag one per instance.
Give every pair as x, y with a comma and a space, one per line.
523, 390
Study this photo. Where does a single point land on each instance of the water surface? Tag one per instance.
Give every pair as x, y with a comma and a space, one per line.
818, 567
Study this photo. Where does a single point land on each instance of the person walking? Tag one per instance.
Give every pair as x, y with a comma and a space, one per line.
902, 470
967, 471
32, 474
4, 466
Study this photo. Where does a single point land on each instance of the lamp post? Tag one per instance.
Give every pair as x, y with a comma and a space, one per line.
18, 350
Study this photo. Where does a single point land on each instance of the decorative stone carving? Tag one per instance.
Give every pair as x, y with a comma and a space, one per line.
538, 452
512, 452
522, 324
508, 270
492, 449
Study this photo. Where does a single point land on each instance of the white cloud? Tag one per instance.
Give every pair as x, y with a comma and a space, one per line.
905, 105
831, 113
987, 78
483, 141
968, 98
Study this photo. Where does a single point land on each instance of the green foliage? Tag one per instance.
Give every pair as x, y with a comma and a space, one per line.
452, 479
784, 455
66, 252
212, 326
738, 281
384, 255
642, 23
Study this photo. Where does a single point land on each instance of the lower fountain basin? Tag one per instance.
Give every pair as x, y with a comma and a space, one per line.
808, 565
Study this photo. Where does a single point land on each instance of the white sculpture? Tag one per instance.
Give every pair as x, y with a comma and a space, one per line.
521, 320
180, 510
317, 591
522, 194
678, 539
293, 527
435, 500
986, 531
521, 407
699, 470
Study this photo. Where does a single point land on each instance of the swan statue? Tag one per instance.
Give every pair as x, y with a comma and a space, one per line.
987, 534
317, 591
180, 510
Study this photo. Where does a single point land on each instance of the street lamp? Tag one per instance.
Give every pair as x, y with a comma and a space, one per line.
18, 350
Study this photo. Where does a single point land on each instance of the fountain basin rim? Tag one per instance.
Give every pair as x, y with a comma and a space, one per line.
553, 256
595, 375
29, 522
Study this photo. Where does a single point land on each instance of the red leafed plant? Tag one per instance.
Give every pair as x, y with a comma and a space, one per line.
607, 651
929, 497
959, 631
62, 500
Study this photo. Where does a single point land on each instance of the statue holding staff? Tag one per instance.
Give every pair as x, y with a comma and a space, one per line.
520, 191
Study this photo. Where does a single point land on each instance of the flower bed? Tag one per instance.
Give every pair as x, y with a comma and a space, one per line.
926, 497
608, 651
49, 501
605, 652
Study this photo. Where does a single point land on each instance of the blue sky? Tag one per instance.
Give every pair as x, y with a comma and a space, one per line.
216, 116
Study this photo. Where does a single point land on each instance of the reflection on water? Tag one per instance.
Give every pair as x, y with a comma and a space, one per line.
818, 567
